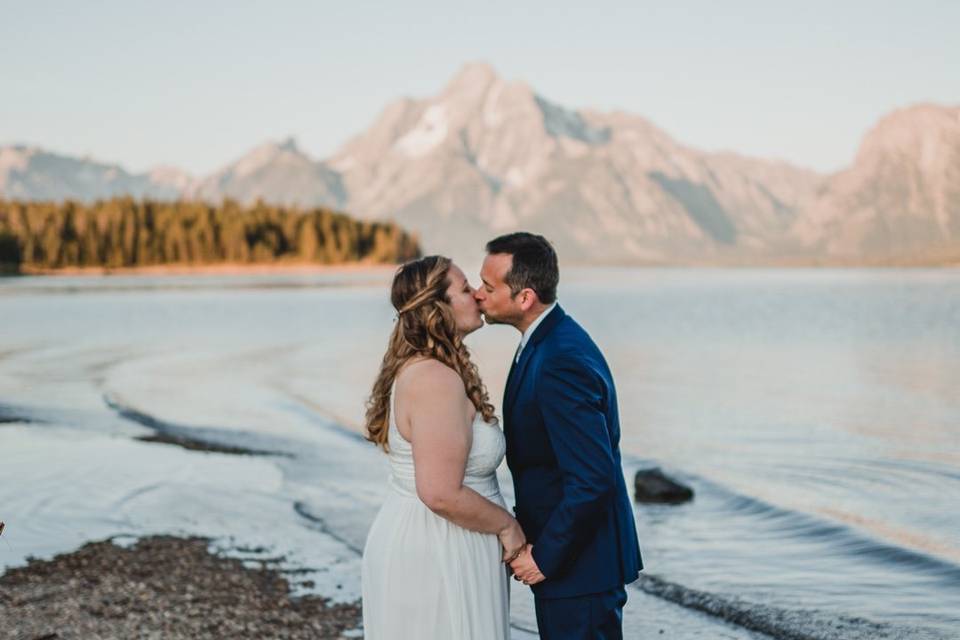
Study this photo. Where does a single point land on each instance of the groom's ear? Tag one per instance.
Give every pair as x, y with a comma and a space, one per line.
527, 298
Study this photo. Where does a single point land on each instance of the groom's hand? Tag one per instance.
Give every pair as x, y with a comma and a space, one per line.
525, 568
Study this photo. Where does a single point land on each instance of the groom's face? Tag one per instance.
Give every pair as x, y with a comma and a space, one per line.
497, 302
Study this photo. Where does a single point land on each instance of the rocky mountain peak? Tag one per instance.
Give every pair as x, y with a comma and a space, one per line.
924, 132
13, 158
269, 153
289, 145
172, 177
474, 78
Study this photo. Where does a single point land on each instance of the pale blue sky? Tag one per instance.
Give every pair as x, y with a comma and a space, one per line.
196, 84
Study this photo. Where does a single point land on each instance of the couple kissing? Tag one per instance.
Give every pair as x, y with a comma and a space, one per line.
439, 556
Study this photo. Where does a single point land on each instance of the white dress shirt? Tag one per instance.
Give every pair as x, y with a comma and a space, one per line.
529, 332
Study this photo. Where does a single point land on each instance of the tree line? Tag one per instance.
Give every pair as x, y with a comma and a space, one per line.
124, 232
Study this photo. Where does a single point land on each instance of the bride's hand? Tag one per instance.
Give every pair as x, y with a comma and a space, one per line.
513, 540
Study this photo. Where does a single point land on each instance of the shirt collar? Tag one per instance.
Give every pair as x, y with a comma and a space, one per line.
533, 325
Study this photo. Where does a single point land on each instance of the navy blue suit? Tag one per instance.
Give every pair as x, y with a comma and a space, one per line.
563, 433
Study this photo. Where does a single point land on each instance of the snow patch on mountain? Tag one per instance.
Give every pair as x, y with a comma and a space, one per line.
430, 131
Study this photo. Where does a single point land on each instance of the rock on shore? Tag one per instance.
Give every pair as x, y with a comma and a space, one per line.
652, 485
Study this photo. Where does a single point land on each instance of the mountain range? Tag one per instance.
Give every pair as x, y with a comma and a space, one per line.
486, 156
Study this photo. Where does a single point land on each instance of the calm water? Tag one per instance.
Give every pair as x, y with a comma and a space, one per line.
815, 412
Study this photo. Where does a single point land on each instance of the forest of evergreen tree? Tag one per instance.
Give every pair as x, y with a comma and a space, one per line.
124, 232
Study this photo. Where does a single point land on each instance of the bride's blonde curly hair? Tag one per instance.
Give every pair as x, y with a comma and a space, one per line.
425, 327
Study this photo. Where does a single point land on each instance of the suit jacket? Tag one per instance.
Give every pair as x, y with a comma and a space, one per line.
563, 433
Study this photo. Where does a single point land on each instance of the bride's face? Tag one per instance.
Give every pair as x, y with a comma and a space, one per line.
466, 311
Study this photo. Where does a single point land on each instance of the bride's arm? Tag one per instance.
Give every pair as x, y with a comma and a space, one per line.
441, 436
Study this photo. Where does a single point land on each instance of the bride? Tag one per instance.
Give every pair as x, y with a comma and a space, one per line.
433, 564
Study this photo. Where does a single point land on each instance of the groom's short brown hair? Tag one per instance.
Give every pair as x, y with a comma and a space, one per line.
534, 264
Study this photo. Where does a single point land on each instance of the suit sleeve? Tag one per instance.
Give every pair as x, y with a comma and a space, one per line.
571, 399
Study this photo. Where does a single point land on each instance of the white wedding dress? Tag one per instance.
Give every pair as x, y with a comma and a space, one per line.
425, 577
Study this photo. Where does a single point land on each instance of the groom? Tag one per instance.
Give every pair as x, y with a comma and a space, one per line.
563, 432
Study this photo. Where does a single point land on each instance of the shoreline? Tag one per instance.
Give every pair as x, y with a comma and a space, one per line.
162, 586
226, 268
300, 268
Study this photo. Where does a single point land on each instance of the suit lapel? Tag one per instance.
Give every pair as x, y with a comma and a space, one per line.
516, 375
518, 368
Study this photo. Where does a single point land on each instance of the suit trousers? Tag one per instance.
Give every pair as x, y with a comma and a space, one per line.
597, 616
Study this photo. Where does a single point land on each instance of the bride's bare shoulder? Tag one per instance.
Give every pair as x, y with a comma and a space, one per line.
427, 376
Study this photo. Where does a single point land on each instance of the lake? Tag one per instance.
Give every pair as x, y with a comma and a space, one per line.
815, 412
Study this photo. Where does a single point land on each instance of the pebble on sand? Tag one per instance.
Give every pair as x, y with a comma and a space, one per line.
161, 587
